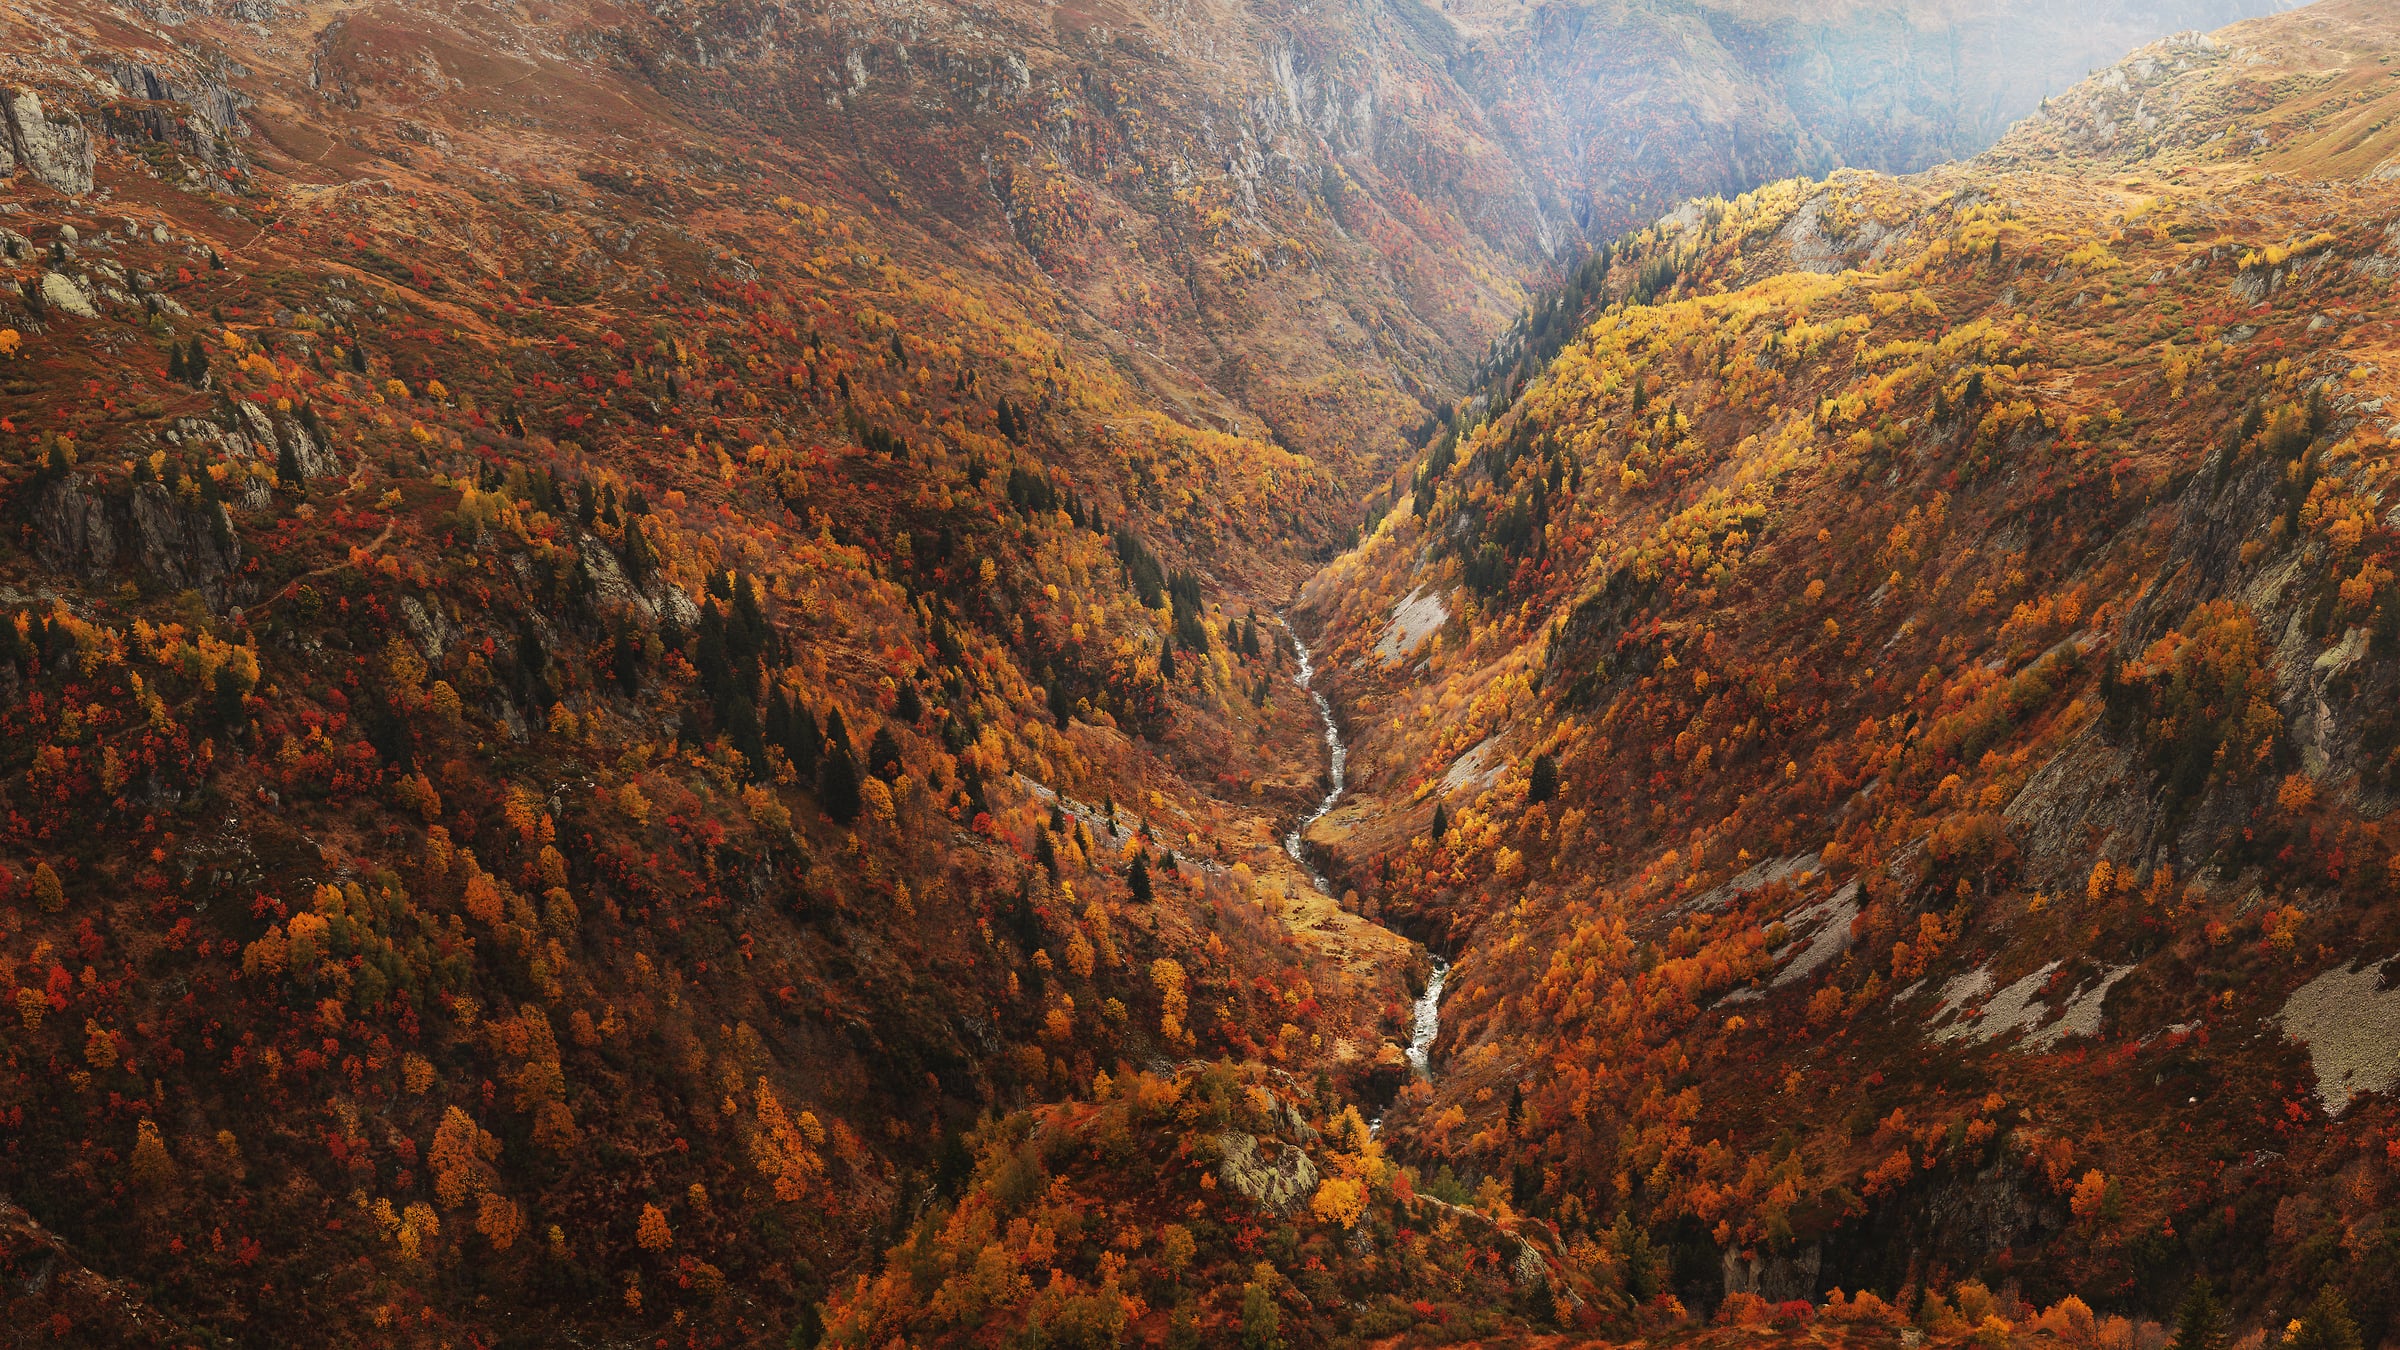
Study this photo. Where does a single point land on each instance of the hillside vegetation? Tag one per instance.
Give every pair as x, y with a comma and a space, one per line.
645, 699
1905, 757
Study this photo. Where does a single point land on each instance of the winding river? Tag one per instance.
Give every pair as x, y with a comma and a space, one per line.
1429, 1021
1338, 756
1426, 1023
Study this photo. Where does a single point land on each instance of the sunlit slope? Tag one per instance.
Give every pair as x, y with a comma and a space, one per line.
1952, 621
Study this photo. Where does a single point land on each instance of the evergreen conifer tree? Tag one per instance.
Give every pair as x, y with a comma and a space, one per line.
1542, 785
837, 783
2201, 1323
2327, 1325
883, 755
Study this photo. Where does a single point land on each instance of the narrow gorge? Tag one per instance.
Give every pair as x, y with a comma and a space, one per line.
1425, 1016
651, 680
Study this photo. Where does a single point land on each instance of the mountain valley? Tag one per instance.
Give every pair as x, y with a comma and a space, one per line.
659, 659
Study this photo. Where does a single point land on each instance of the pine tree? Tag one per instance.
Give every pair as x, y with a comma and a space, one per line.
741, 727
2327, 1326
1137, 880
1542, 784
1441, 823
883, 755
2201, 1323
1026, 924
802, 743
228, 693
837, 783
626, 660
1636, 1257
639, 559
775, 720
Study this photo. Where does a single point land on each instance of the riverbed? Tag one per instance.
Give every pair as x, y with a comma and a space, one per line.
1425, 1024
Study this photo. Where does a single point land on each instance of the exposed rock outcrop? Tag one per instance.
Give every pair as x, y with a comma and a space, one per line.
231, 442
198, 116
1960, 1220
273, 433
182, 546
55, 147
1778, 1277
49, 1285
1281, 1184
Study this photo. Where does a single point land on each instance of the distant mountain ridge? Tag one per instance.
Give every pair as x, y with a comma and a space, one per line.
1629, 106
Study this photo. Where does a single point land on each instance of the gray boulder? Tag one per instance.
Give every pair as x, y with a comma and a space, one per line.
60, 292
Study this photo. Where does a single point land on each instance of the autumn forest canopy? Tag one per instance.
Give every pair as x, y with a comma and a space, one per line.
1072, 676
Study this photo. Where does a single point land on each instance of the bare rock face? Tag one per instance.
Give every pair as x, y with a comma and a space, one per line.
54, 146
198, 115
50, 1281
274, 433
207, 98
1281, 1184
184, 547
1776, 1276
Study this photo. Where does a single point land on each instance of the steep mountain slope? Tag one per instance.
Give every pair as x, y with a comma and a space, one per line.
1894, 720
581, 698
624, 621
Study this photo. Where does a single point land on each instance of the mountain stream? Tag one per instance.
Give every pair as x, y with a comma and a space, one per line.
1426, 1021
